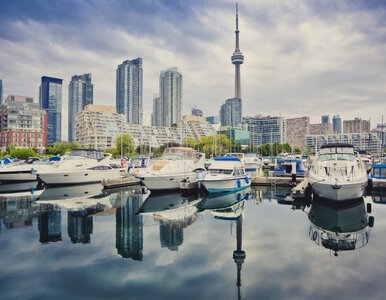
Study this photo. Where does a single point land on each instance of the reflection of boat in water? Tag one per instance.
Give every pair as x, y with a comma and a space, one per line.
171, 207
225, 206
77, 198
173, 212
18, 186
339, 228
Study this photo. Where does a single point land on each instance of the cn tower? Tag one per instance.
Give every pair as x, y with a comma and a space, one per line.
237, 58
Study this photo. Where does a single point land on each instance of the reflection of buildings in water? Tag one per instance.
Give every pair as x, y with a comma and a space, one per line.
171, 235
339, 228
174, 213
18, 211
378, 197
79, 227
129, 226
49, 224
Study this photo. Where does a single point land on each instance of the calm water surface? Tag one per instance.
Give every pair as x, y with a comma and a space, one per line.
80, 242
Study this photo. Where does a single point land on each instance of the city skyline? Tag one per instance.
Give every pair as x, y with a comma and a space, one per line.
303, 57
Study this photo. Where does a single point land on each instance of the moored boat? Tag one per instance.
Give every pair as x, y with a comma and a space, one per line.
338, 173
225, 174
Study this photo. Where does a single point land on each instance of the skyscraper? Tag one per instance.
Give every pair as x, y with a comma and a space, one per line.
1, 92
156, 116
337, 124
129, 90
80, 94
325, 119
237, 58
197, 112
170, 88
50, 98
231, 112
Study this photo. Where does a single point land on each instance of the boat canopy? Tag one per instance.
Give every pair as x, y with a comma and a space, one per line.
284, 161
227, 158
89, 153
175, 152
335, 145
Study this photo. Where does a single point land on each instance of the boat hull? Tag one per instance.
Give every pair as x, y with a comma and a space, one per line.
17, 176
78, 177
339, 192
226, 185
166, 182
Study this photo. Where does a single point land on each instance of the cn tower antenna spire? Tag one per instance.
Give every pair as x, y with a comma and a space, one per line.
237, 57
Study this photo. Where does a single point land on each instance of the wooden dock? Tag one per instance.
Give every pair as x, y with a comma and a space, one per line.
299, 191
120, 182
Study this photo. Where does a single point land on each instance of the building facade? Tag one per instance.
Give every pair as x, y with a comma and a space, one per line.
129, 88
1, 91
99, 126
50, 99
337, 124
296, 131
380, 131
213, 119
237, 135
156, 116
266, 130
356, 126
170, 91
23, 123
80, 94
361, 141
326, 119
321, 128
231, 112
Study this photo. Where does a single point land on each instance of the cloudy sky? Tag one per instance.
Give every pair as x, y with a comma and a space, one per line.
308, 57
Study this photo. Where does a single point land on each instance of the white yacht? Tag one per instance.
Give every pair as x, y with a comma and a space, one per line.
225, 174
75, 169
338, 173
175, 165
252, 161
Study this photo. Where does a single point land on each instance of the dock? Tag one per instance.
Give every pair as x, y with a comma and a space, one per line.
299, 191
278, 181
120, 182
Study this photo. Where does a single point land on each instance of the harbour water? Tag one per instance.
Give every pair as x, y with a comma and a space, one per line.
81, 242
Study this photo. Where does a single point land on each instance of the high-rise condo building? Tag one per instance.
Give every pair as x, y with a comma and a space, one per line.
266, 130
325, 119
197, 112
1, 92
356, 126
80, 94
337, 124
156, 116
23, 123
231, 112
129, 90
50, 98
170, 90
296, 131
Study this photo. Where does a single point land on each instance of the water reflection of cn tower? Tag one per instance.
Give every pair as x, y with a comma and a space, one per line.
340, 228
230, 207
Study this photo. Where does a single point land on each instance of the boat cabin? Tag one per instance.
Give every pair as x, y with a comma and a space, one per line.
337, 152
228, 164
285, 168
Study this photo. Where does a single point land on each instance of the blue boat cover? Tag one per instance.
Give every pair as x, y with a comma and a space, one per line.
227, 158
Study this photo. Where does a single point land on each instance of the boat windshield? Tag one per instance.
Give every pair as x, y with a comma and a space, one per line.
337, 156
220, 171
178, 154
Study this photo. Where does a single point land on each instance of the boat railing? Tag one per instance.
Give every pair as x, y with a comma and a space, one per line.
340, 173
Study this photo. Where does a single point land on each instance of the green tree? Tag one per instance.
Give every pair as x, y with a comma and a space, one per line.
190, 142
23, 153
308, 150
287, 148
125, 145
297, 151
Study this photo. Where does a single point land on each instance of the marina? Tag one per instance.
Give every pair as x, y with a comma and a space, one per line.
129, 241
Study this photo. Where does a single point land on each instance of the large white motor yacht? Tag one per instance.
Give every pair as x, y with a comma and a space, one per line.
338, 173
225, 174
74, 169
175, 165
